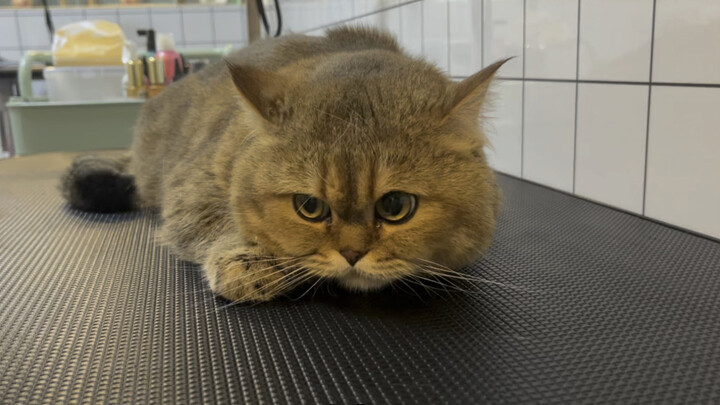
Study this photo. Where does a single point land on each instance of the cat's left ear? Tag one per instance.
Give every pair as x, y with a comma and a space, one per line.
262, 92
467, 96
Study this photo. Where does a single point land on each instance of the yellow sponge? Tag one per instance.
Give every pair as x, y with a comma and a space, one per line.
88, 43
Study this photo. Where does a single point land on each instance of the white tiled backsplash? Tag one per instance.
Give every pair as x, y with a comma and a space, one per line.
617, 101
191, 26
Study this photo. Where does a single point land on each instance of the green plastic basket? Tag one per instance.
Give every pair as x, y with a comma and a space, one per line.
38, 125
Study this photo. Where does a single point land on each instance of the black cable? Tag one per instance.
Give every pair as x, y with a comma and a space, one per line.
263, 17
48, 20
279, 18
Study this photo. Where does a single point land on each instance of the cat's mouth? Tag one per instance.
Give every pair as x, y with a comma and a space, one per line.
356, 280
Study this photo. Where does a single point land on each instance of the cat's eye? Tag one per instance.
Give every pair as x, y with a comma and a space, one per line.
396, 207
310, 208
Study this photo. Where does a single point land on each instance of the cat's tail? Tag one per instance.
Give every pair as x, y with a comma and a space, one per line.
99, 184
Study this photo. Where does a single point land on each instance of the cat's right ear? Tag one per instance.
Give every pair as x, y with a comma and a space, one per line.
261, 92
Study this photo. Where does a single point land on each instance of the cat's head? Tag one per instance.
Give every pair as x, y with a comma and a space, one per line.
368, 165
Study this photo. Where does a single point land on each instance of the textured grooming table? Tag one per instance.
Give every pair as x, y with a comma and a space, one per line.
617, 309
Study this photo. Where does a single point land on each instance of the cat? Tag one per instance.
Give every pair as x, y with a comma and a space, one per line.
300, 159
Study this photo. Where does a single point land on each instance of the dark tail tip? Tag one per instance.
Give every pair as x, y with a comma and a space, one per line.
98, 185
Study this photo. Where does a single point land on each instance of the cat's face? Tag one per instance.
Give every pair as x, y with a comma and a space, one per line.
365, 190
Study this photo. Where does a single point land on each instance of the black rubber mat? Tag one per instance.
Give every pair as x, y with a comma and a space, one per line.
613, 309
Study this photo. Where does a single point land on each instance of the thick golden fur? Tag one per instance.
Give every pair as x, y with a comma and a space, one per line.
346, 118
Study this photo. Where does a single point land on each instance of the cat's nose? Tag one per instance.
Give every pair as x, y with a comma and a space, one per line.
352, 256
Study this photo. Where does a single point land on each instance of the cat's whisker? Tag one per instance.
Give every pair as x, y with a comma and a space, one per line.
284, 281
245, 275
269, 259
280, 267
309, 289
264, 287
444, 284
429, 288
287, 285
290, 269
208, 289
324, 180
297, 211
470, 278
418, 277
336, 117
284, 277
415, 293
439, 270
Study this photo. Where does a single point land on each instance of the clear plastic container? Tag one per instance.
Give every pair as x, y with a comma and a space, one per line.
84, 83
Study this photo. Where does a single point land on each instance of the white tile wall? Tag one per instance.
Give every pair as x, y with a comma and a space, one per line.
339, 10
687, 41
9, 32
197, 25
551, 39
411, 28
549, 133
388, 20
683, 170
24, 30
33, 31
368, 6
610, 151
435, 32
316, 33
503, 35
62, 17
503, 127
615, 39
131, 20
305, 15
465, 37
11, 54
229, 24
167, 20
104, 13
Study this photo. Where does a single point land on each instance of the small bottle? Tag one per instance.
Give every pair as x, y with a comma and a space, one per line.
140, 81
166, 52
156, 74
135, 85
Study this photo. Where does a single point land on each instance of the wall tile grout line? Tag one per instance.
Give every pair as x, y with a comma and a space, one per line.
447, 33
17, 28
522, 119
182, 25
587, 81
212, 22
647, 122
482, 34
400, 35
348, 20
422, 28
577, 87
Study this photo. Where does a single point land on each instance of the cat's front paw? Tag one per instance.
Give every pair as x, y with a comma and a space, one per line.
241, 276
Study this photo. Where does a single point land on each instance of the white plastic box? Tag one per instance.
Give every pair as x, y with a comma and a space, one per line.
84, 83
